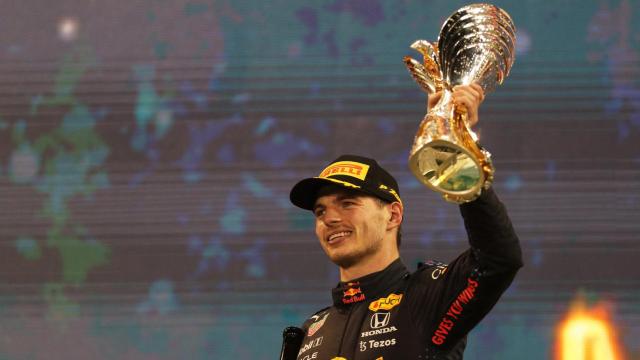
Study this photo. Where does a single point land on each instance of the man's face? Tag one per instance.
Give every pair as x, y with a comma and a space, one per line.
350, 225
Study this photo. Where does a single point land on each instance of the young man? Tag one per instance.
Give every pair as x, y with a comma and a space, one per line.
381, 310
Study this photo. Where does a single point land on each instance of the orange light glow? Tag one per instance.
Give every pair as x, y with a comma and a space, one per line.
587, 334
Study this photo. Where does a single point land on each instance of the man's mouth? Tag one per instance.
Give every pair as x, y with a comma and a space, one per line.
334, 238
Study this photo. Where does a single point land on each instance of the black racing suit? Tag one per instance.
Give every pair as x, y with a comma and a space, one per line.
394, 314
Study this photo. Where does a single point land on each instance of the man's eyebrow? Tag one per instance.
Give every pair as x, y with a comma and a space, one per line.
344, 196
339, 197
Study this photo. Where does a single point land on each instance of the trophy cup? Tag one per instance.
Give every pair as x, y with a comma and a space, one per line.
476, 44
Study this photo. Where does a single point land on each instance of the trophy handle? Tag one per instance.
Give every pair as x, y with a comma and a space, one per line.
470, 141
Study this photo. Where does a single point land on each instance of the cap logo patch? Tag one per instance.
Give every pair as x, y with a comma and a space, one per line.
348, 168
390, 190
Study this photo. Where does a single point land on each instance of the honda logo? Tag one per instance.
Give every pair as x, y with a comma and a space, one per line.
379, 319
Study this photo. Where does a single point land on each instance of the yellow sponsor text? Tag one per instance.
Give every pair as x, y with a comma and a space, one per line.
387, 303
348, 168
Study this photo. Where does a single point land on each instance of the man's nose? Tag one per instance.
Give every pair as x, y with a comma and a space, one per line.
332, 216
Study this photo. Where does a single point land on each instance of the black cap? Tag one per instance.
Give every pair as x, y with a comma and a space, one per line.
352, 172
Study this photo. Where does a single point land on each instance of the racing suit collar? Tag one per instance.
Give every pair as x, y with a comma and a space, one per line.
369, 287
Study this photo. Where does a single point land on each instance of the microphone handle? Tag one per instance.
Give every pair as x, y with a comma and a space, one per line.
292, 338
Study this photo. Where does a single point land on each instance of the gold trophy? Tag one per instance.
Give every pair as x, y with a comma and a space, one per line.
476, 44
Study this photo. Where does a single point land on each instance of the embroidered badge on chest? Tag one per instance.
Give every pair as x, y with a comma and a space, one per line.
387, 303
353, 294
317, 325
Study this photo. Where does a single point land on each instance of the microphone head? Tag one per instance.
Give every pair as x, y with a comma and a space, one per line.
292, 338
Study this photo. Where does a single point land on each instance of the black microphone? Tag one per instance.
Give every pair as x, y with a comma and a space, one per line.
291, 340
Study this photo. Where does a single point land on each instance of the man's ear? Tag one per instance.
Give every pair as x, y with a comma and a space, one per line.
396, 212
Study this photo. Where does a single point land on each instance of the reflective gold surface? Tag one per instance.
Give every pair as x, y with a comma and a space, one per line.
476, 45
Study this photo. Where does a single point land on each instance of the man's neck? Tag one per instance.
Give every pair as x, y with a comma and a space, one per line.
368, 266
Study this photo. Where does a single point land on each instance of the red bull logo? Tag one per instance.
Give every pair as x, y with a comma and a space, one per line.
352, 295
352, 292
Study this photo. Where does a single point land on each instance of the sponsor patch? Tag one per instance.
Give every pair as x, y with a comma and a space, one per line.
385, 330
455, 311
379, 319
376, 344
391, 191
439, 270
352, 295
348, 168
316, 325
310, 345
387, 303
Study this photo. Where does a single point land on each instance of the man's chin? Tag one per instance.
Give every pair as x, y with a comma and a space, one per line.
345, 260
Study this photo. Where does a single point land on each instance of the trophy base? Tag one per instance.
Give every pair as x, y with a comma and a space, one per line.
450, 170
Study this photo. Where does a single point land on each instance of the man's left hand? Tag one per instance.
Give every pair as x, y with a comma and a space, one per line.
466, 97
469, 97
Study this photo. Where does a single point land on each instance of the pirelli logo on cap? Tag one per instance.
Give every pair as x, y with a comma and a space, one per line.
348, 168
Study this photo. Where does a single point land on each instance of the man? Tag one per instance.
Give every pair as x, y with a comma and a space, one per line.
380, 310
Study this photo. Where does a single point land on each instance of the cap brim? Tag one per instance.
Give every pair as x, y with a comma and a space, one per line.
304, 193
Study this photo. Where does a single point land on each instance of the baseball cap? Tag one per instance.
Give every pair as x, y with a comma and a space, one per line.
351, 172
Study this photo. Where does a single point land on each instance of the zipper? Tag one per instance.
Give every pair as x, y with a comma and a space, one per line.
344, 330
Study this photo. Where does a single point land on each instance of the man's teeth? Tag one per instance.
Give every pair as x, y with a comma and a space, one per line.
337, 235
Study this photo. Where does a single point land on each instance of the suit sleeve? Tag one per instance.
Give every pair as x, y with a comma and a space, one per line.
448, 307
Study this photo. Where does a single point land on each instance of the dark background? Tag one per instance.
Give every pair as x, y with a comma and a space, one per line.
147, 149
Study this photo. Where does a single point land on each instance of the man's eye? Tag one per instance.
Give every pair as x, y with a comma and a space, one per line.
348, 203
318, 212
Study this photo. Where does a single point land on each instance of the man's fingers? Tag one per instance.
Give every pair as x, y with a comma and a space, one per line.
470, 106
474, 91
478, 89
468, 100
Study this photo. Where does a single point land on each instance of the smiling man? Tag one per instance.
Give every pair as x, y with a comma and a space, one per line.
380, 309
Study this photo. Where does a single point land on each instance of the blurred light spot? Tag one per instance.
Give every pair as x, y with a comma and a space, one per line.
161, 300
387, 126
28, 248
294, 50
23, 165
194, 244
513, 182
241, 98
163, 122
254, 185
233, 221
68, 29
523, 44
551, 170
255, 270
264, 126
588, 333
